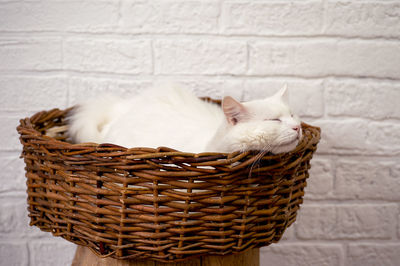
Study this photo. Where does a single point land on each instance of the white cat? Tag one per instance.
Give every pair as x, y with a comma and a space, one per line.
176, 118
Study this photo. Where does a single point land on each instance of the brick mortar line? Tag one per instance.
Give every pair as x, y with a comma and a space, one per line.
111, 75
126, 35
336, 157
153, 57
346, 201
339, 118
362, 241
214, 77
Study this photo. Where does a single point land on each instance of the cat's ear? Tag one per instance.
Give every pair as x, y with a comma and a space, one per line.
283, 94
234, 111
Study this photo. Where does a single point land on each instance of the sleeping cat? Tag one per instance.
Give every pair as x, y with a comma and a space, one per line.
175, 118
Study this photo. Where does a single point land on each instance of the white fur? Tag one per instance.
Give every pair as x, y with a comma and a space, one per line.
175, 118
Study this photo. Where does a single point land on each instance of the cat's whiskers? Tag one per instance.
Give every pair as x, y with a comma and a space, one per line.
282, 142
267, 148
258, 158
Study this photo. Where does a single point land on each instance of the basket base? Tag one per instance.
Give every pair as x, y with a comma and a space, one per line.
85, 257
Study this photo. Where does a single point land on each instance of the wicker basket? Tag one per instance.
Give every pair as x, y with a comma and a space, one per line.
159, 203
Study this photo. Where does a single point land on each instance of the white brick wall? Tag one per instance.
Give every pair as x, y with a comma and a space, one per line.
341, 60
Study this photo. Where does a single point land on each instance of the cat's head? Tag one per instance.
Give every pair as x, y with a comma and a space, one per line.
266, 124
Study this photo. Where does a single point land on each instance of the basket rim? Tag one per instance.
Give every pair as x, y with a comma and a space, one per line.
26, 128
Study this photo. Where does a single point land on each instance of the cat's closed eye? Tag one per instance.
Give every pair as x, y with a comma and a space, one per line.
275, 119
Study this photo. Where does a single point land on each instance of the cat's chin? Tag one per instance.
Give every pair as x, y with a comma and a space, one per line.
286, 147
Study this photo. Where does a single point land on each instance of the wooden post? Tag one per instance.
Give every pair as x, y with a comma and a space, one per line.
85, 257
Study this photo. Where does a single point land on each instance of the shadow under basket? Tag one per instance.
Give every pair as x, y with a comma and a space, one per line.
159, 204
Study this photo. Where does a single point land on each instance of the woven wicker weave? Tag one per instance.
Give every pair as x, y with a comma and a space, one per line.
159, 203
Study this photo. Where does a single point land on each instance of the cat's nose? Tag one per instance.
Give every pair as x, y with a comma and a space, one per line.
296, 128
